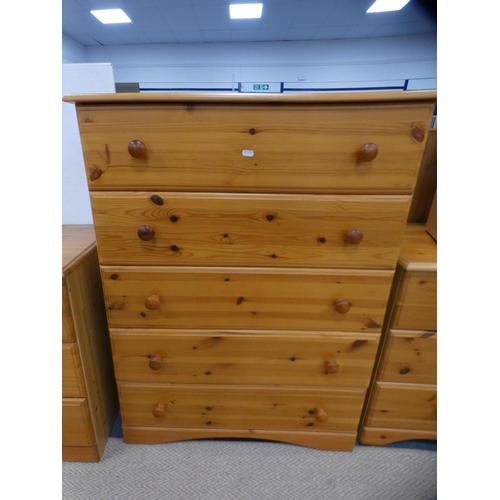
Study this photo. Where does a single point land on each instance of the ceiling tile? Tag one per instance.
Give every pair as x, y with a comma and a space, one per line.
301, 33
216, 36
197, 21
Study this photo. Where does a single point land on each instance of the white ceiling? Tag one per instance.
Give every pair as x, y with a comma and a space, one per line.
206, 21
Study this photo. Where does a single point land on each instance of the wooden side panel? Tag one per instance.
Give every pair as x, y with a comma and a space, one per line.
76, 423
241, 407
293, 148
93, 340
403, 406
416, 305
214, 357
426, 182
409, 356
68, 329
249, 230
250, 298
73, 382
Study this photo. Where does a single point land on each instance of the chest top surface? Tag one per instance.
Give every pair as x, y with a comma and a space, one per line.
78, 241
236, 97
418, 250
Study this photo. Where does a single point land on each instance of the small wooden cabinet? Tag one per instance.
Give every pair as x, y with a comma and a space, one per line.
89, 396
247, 246
403, 400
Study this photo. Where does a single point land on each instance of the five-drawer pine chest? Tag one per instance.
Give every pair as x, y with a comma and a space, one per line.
247, 246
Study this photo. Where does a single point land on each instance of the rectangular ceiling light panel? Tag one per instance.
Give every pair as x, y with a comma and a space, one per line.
245, 11
111, 16
387, 5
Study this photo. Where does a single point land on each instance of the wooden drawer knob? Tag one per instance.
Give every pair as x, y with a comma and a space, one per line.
156, 363
331, 366
368, 152
137, 149
320, 415
342, 306
354, 236
146, 233
152, 302
159, 411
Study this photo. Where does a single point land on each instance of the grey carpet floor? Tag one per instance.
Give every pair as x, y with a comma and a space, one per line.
251, 470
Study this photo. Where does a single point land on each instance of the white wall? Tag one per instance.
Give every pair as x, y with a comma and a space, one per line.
375, 62
357, 63
72, 51
78, 79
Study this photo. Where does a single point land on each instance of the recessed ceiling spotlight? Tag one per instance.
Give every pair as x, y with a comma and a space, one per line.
387, 5
111, 16
245, 11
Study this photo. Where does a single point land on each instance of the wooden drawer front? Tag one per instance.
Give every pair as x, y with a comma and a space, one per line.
409, 356
73, 381
246, 298
76, 423
245, 229
244, 357
416, 305
403, 406
241, 407
290, 148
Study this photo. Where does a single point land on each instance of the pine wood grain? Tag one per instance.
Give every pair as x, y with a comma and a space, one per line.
73, 381
418, 249
80, 454
377, 436
426, 184
331, 441
87, 370
245, 298
76, 423
416, 305
409, 356
94, 345
248, 357
78, 241
403, 406
261, 230
295, 148
234, 97
241, 407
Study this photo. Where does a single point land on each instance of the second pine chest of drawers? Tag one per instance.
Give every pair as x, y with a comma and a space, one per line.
247, 246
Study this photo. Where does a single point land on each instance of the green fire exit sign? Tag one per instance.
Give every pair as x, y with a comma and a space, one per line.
261, 86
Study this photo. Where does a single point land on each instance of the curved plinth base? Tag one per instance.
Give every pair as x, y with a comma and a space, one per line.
319, 440
378, 436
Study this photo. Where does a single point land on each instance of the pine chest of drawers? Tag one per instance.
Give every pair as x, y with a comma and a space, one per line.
89, 396
247, 246
403, 400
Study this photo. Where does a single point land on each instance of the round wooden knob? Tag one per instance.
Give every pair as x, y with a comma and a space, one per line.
368, 152
152, 302
331, 366
146, 233
342, 306
160, 411
320, 415
137, 149
156, 363
354, 236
